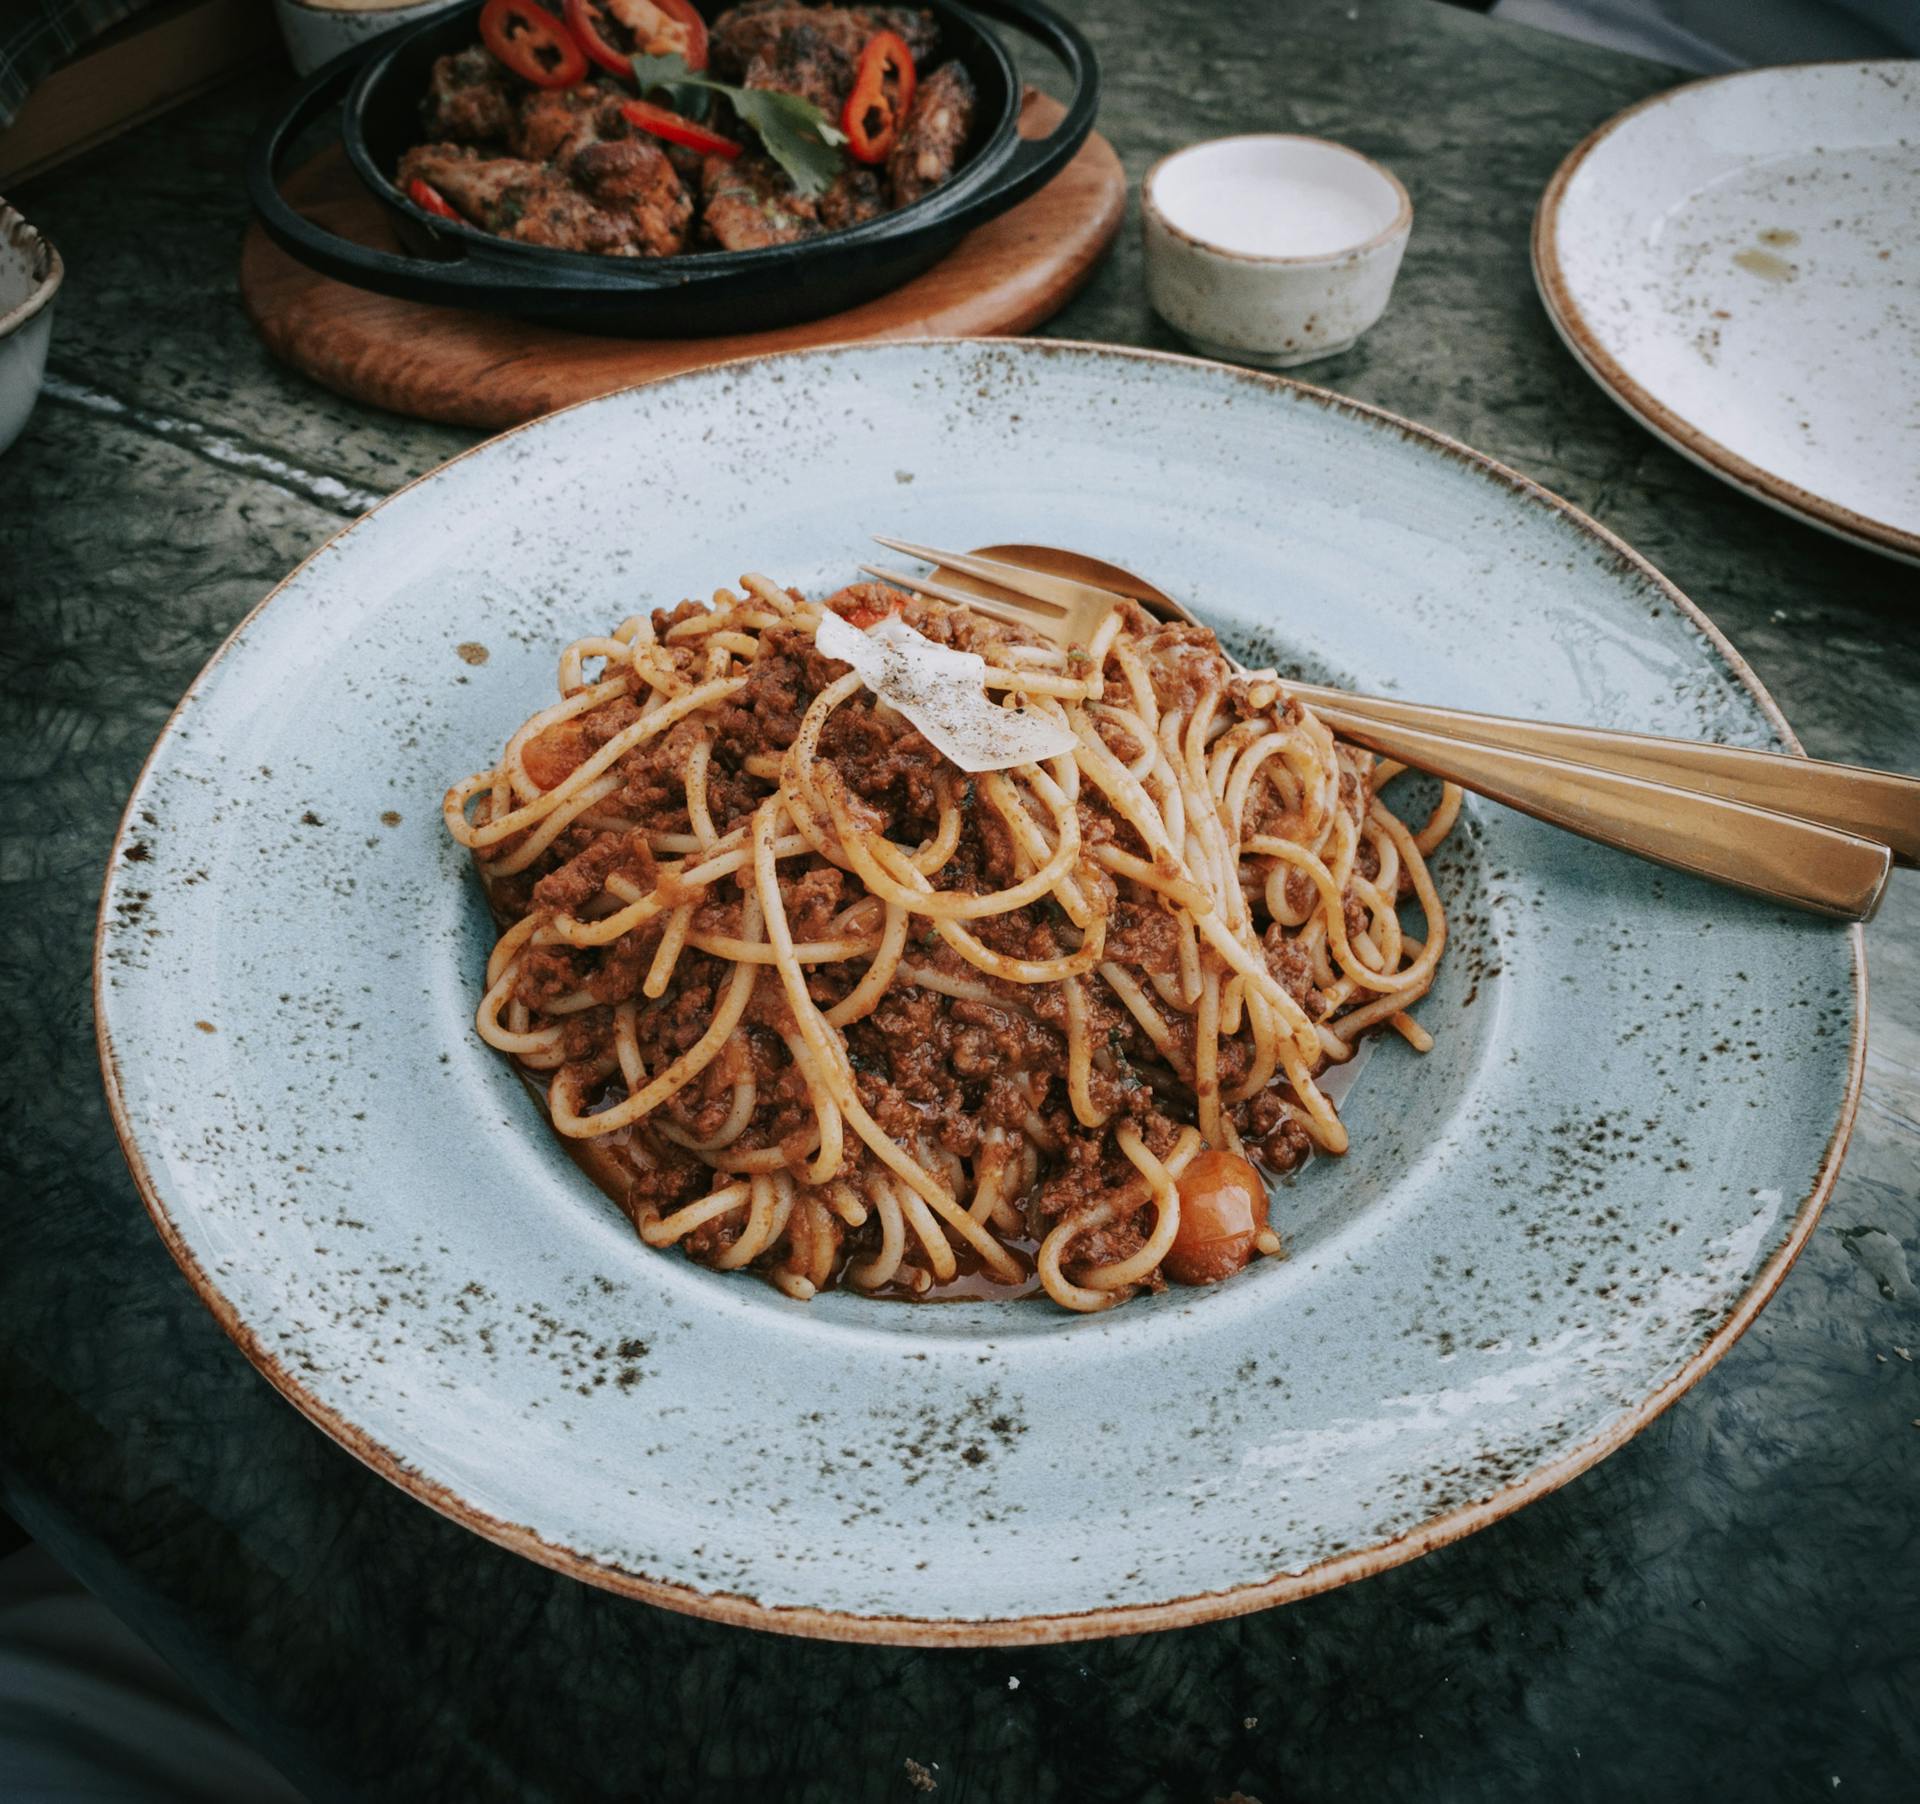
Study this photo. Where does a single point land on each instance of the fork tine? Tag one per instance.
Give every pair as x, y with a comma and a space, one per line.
1052, 591
979, 604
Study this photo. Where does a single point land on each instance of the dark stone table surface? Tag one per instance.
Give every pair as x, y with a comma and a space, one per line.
1729, 1607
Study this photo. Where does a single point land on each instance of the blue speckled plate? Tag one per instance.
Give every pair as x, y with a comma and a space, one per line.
1546, 1230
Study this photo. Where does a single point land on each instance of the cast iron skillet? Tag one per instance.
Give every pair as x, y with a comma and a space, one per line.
690, 296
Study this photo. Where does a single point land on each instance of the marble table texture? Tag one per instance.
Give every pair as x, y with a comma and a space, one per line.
1729, 1607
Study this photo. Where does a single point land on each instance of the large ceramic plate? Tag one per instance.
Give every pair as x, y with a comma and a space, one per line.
1546, 1230
1737, 263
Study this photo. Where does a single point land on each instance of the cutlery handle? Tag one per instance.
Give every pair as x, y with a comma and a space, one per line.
1874, 804
1779, 856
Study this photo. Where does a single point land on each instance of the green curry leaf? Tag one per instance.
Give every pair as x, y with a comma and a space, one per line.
797, 135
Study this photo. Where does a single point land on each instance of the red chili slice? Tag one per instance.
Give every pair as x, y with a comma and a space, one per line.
585, 20
679, 28
875, 110
676, 130
532, 43
685, 14
429, 199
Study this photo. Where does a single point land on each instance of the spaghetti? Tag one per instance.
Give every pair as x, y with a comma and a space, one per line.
809, 998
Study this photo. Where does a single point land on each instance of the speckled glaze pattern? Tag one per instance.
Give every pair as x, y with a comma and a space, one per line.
1546, 1229
1736, 263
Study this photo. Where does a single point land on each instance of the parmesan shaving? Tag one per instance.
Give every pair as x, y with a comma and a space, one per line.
944, 693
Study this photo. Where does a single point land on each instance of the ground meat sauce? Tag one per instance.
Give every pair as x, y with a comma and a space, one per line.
933, 1069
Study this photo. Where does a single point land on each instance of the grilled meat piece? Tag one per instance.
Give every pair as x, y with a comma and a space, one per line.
535, 204
856, 196
556, 122
514, 198
744, 33
934, 135
687, 163
581, 133
748, 202
633, 177
468, 100
805, 60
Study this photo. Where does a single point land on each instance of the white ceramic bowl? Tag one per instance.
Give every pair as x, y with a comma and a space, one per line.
1272, 249
30, 275
317, 31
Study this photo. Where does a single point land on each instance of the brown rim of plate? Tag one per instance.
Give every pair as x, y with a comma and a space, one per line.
1401, 222
1678, 432
1012, 1631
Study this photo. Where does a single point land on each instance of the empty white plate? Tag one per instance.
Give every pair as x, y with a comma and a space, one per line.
1738, 263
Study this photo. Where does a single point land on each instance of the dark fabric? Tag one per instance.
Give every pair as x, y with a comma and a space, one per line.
36, 36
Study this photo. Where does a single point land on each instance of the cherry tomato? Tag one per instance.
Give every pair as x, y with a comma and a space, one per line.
532, 43
1223, 1206
585, 21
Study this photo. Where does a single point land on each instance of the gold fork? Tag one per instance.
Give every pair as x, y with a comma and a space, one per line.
1817, 836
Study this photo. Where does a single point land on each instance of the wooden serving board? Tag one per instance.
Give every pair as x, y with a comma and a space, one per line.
479, 369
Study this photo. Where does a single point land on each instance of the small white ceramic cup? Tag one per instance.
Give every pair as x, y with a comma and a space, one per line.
1272, 249
317, 31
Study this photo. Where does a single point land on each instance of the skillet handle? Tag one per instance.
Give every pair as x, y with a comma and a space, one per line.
411, 278
1035, 161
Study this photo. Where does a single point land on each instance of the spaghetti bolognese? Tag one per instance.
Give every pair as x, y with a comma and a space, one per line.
811, 997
